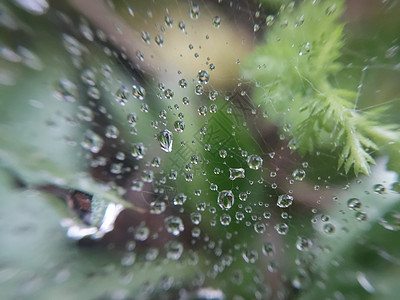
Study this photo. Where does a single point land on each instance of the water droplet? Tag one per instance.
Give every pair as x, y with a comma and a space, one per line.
379, 188
254, 161
88, 77
179, 126
141, 233
145, 37
138, 151
168, 20
225, 219
329, 228
203, 77
174, 250
213, 95
303, 244
174, 225
181, 25
165, 139
159, 40
85, 113
243, 196
354, 203
225, 199
222, 153
216, 21
92, 141
122, 95
138, 92
202, 110
182, 83
68, 90
136, 185
250, 256
235, 173
194, 11
132, 119
157, 207
391, 221
361, 216
284, 201
199, 89
299, 174
282, 228
185, 100
196, 218
259, 227
112, 132
180, 199
169, 94
330, 10
268, 249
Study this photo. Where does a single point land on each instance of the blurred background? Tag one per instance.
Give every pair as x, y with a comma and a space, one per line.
137, 163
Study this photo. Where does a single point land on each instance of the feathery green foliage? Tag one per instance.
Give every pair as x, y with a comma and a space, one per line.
295, 65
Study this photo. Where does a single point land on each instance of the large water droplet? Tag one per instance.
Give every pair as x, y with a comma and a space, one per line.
354, 203
203, 77
165, 139
235, 173
122, 95
174, 225
284, 201
254, 161
225, 199
92, 141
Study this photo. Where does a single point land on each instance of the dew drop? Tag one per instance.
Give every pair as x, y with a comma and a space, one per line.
225, 219
194, 11
168, 20
203, 77
132, 119
169, 94
174, 225
199, 89
225, 199
179, 126
92, 141
202, 110
157, 207
174, 250
303, 244
250, 256
180, 199
354, 203
159, 40
165, 139
284, 201
216, 21
145, 37
138, 92
254, 161
138, 151
259, 227
122, 95
235, 173
182, 83
181, 25
299, 174
282, 228
196, 218
379, 188
111, 132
